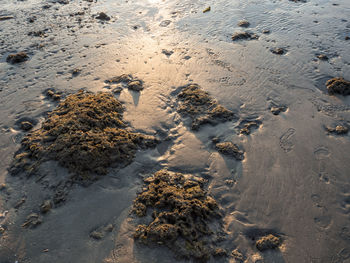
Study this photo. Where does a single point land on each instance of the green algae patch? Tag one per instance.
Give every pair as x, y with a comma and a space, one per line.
268, 242
85, 134
201, 107
181, 212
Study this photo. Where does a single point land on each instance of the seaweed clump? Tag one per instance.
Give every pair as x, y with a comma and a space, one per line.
268, 242
201, 108
338, 130
85, 134
182, 211
338, 86
17, 58
244, 36
230, 149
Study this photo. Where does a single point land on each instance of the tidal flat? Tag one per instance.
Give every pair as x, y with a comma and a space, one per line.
174, 131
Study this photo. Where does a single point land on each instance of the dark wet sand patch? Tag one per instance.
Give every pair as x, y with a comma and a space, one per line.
278, 51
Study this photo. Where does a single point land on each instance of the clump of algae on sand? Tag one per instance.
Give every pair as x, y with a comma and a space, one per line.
181, 214
85, 134
338, 86
201, 107
268, 242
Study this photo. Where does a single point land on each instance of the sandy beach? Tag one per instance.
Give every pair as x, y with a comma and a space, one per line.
141, 131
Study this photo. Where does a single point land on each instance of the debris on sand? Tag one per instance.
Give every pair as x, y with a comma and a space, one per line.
266, 31
32, 19
46, 206
322, 57
338, 86
19, 203
268, 242
52, 94
219, 252
165, 23
276, 110
181, 211
168, 53
278, 51
230, 149
85, 134
135, 85
238, 256
32, 221
207, 9
338, 130
3, 18
76, 72
101, 232
244, 36
117, 89
103, 16
26, 125
243, 23
17, 58
248, 126
201, 108
39, 33
126, 80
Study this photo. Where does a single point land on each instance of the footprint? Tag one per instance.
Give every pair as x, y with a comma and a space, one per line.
341, 256
345, 233
323, 221
285, 140
345, 204
317, 200
321, 153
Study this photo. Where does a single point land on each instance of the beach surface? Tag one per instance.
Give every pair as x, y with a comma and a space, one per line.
290, 178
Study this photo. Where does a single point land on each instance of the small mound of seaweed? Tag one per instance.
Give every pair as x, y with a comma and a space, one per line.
244, 36
85, 134
17, 58
338, 130
338, 86
126, 80
268, 242
201, 107
247, 126
230, 149
182, 211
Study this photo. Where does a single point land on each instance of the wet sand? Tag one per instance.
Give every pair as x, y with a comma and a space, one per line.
293, 181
